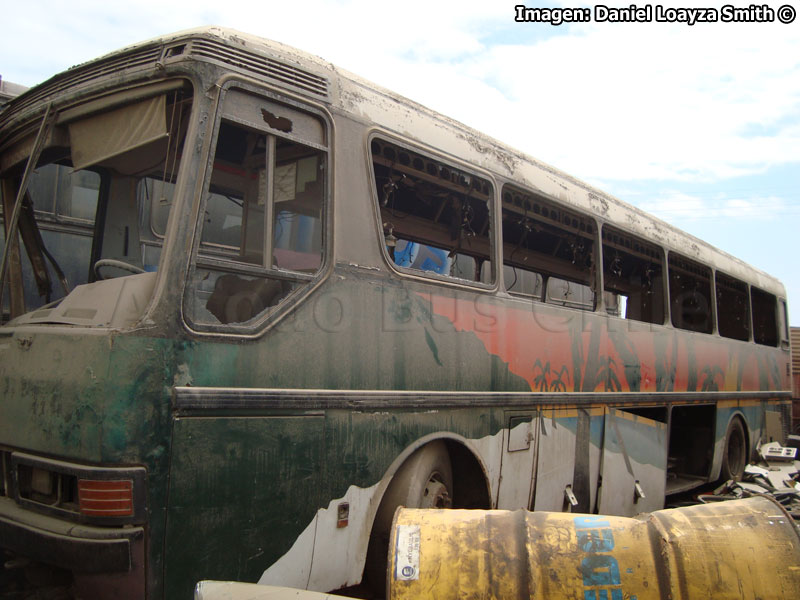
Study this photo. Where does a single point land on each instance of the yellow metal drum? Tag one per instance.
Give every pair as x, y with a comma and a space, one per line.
736, 549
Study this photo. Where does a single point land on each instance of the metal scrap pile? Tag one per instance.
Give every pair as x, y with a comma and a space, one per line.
777, 474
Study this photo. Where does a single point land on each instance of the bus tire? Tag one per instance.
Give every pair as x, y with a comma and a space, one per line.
734, 458
425, 480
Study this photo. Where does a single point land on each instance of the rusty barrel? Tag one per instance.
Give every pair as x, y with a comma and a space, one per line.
734, 549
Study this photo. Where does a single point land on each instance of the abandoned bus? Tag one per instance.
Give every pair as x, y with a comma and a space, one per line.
253, 303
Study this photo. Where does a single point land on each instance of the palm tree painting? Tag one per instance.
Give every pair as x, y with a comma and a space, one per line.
607, 376
540, 380
543, 383
558, 384
710, 375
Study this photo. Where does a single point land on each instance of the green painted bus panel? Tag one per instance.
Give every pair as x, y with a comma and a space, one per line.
363, 445
240, 489
86, 397
244, 488
355, 334
51, 401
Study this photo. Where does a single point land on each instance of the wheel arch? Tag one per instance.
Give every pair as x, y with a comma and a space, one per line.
465, 460
735, 416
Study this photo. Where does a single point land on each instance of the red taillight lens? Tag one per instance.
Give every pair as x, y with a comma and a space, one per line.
109, 498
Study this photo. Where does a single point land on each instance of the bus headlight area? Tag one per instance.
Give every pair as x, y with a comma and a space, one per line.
76, 518
85, 494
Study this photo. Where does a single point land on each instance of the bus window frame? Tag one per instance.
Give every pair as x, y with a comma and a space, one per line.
617, 233
436, 155
783, 323
595, 282
268, 318
720, 274
757, 332
681, 261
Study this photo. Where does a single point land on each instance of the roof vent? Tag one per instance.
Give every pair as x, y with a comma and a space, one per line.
262, 66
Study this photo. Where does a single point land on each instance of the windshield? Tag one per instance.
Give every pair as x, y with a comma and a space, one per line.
94, 208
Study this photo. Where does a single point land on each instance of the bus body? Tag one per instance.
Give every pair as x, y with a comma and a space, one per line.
253, 303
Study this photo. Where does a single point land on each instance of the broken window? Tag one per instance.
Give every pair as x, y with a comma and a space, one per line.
547, 251
261, 234
436, 217
570, 294
633, 277
733, 308
85, 215
523, 282
765, 317
690, 294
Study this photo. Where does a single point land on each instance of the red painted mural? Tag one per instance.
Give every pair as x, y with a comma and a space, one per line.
556, 350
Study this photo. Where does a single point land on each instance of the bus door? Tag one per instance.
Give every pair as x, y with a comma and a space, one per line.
633, 465
555, 461
519, 460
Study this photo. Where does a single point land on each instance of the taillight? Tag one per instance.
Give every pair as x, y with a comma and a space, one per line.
105, 498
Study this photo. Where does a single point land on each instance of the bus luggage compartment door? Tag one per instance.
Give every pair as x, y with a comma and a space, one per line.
634, 464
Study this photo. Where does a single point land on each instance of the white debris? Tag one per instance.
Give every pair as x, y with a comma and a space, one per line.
776, 475
774, 451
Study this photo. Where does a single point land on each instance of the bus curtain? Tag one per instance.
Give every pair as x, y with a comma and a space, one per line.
110, 134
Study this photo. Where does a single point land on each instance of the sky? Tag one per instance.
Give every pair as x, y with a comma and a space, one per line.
697, 124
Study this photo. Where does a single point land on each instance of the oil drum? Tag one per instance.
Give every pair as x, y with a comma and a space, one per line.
746, 548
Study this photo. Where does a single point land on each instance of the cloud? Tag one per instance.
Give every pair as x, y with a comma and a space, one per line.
604, 101
665, 102
675, 206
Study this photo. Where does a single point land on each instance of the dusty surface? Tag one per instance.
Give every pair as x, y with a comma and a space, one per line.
32, 582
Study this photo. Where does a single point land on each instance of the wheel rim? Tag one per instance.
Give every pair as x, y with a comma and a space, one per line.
435, 494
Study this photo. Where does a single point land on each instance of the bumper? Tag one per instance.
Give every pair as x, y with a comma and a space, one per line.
67, 545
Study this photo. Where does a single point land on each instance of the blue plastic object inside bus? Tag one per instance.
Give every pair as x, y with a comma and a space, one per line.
406, 256
435, 259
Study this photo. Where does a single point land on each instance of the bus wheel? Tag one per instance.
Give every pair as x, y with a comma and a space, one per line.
425, 480
735, 458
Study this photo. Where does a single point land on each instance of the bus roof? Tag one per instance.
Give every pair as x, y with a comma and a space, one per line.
347, 93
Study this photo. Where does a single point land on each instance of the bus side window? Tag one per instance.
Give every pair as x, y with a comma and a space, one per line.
733, 308
548, 251
690, 294
436, 217
765, 317
632, 277
261, 235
